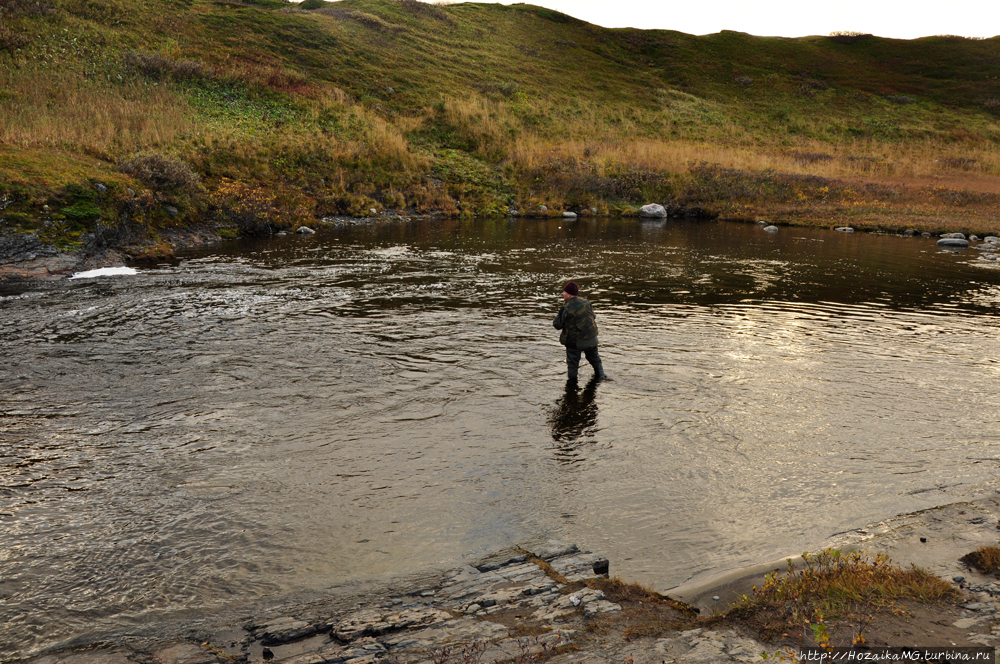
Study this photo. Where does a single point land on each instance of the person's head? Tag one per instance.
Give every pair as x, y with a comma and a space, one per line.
570, 290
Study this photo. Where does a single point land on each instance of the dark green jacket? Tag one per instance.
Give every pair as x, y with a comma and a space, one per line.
577, 321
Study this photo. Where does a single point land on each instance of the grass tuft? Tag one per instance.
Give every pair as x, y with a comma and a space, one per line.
833, 585
986, 559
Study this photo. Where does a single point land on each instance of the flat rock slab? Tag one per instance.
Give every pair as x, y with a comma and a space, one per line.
373, 622
549, 549
287, 630
709, 646
577, 567
185, 653
85, 657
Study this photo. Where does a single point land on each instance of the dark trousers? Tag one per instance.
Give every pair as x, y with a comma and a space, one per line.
573, 361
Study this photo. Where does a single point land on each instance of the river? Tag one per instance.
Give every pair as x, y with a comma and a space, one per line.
262, 419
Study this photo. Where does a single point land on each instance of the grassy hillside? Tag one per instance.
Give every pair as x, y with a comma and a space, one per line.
121, 117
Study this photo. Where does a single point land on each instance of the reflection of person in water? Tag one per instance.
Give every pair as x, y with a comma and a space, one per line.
575, 415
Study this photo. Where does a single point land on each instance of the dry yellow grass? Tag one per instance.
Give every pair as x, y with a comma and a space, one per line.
63, 109
986, 559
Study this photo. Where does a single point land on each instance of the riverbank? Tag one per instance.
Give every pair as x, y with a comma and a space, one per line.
209, 114
27, 257
548, 601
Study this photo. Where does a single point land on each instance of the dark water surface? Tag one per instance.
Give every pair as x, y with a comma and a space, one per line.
291, 415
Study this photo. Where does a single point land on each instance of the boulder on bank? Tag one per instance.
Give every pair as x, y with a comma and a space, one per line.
992, 239
844, 229
569, 215
304, 230
953, 236
771, 229
953, 242
653, 211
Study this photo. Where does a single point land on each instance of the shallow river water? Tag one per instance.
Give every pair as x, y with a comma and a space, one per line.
290, 415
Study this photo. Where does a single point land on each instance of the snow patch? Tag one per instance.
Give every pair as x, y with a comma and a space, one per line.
104, 272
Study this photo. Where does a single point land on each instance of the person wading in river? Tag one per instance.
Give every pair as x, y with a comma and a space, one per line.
579, 332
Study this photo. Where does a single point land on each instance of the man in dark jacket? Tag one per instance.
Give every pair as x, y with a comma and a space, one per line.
579, 331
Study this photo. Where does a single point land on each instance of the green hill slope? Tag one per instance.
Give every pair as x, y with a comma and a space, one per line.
256, 115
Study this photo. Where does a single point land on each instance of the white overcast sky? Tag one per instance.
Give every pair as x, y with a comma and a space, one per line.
900, 19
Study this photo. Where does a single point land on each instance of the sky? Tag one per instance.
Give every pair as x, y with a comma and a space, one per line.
899, 19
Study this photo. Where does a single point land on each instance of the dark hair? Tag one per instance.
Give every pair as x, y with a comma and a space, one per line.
572, 288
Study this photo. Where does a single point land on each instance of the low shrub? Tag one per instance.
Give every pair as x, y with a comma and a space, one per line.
810, 157
508, 89
900, 99
257, 210
161, 67
960, 163
986, 559
848, 36
370, 21
15, 8
831, 585
11, 40
162, 173
425, 9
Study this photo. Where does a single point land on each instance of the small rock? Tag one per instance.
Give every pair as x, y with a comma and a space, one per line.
574, 600
390, 89
281, 233
992, 239
304, 230
569, 215
171, 210
923, 539
101, 188
910, 231
543, 208
958, 579
653, 211
987, 247
472, 608
593, 210
373, 210
131, 192
844, 229
959, 236
715, 597
771, 229
953, 242
761, 222
925, 234
602, 566
973, 238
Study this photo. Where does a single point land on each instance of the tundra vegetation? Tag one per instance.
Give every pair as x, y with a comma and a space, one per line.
122, 118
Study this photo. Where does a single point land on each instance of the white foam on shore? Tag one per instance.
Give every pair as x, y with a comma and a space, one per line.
104, 272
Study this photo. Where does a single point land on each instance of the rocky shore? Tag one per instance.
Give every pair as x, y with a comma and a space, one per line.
543, 601
23, 256
518, 605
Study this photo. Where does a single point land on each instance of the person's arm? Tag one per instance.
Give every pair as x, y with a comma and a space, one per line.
558, 322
